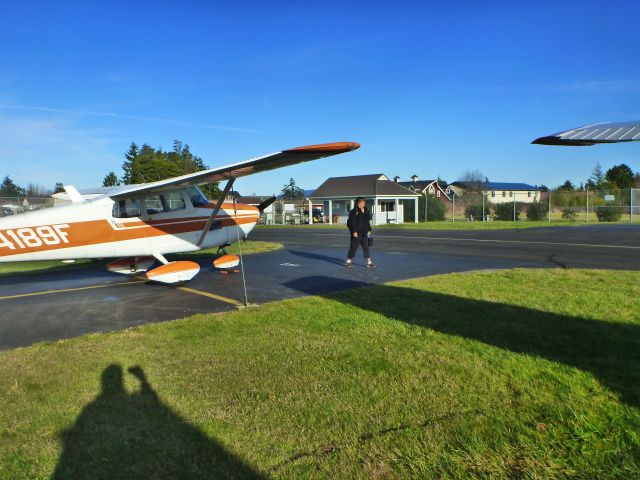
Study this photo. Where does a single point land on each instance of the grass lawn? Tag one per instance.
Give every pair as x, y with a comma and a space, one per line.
510, 374
457, 225
13, 268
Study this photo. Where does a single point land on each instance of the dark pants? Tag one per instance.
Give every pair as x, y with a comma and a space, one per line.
361, 240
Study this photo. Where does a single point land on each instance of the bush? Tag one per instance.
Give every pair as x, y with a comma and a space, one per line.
504, 211
569, 214
536, 211
435, 209
608, 214
474, 211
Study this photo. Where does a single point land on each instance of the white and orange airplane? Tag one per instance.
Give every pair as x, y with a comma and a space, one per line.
140, 224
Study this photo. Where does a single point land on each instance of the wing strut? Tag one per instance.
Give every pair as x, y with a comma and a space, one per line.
215, 211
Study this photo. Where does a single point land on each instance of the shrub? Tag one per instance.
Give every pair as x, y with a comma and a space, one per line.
474, 211
608, 214
569, 214
536, 211
504, 211
435, 209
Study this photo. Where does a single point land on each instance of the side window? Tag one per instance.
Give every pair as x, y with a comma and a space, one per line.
197, 197
127, 208
173, 201
153, 205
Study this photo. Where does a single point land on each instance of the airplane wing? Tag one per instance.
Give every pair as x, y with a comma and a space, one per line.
272, 161
614, 132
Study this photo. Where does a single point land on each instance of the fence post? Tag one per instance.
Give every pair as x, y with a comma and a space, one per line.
453, 207
631, 205
587, 204
483, 216
514, 206
549, 206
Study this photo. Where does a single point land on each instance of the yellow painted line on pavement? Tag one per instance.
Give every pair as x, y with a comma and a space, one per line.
212, 295
78, 289
93, 287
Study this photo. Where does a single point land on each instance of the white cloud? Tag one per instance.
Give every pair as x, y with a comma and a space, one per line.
93, 113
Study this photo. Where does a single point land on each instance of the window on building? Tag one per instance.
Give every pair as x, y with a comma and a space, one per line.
510, 194
504, 194
387, 206
529, 194
127, 208
493, 193
431, 190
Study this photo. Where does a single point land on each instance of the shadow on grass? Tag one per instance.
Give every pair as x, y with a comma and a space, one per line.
609, 351
122, 435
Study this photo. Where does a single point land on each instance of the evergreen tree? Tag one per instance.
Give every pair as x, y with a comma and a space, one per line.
58, 188
127, 166
146, 164
291, 191
567, 186
620, 176
111, 180
10, 189
596, 180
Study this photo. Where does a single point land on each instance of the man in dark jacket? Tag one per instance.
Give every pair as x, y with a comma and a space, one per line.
359, 225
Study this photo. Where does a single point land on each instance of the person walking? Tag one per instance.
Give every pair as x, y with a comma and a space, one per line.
359, 225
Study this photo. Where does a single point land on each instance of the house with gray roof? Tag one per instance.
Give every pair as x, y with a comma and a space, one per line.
386, 200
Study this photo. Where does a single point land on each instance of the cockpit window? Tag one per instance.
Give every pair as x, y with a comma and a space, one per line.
173, 201
197, 197
127, 208
153, 205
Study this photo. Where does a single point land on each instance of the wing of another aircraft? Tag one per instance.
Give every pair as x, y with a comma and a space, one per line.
272, 161
615, 132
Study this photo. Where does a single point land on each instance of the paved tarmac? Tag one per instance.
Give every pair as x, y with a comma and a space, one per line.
65, 304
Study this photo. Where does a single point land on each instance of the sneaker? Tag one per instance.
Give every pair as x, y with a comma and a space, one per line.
348, 264
370, 265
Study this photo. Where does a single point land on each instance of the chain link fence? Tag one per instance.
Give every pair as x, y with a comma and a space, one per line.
17, 205
586, 206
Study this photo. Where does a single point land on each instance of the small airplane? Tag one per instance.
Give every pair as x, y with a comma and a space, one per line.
140, 224
612, 132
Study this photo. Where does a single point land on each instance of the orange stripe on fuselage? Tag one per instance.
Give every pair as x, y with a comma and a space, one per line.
96, 232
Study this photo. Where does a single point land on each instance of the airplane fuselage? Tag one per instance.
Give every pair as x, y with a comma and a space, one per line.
139, 226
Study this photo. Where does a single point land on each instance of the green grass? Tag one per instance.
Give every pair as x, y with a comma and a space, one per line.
459, 224
14, 268
510, 374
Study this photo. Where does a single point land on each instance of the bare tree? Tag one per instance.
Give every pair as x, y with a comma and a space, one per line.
35, 190
473, 179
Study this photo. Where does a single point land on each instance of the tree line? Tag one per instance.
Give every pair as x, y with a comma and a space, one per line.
142, 164
618, 177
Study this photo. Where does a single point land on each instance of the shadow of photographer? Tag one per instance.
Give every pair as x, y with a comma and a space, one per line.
135, 435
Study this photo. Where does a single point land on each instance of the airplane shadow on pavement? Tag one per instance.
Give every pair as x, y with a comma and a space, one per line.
610, 351
121, 435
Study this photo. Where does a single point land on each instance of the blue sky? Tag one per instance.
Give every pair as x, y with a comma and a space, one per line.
427, 88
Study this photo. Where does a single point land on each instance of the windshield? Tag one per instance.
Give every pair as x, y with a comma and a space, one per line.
197, 197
